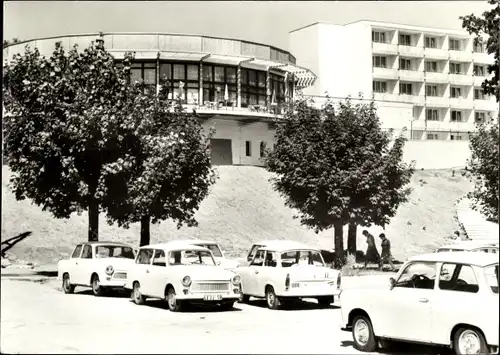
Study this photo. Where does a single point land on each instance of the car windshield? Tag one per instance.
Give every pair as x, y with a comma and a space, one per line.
491, 275
191, 257
415, 272
114, 251
214, 248
301, 257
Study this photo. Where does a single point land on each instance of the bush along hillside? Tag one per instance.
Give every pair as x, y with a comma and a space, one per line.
242, 208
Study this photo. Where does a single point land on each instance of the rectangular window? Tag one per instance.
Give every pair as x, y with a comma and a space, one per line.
431, 66
461, 280
248, 148
454, 44
479, 94
77, 252
192, 72
455, 68
431, 115
379, 86
478, 47
159, 258
455, 137
87, 252
456, 116
253, 87
405, 89
144, 256
405, 40
404, 64
262, 149
456, 92
432, 136
478, 70
179, 73
378, 36
219, 74
430, 42
379, 62
479, 117
431, 90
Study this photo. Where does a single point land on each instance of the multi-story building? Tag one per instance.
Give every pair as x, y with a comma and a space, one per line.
238, 87
425, 79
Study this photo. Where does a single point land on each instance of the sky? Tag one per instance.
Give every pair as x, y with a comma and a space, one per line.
260, 21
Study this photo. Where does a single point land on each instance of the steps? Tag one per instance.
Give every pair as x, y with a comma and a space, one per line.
474, 223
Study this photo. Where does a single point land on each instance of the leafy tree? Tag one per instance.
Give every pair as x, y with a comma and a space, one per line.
489, 25
482, 169
166, 170
64, 125
334, 166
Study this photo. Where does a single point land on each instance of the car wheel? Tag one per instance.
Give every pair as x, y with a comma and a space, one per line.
66, 284
227, 306
137, 295
243, 298
174, 304
271, 299
325, 301
469, 341
362, 334
97, 289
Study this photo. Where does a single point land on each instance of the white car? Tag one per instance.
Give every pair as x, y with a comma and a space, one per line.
99, 265
447, 299
288, 270
271, 243
220, 258
180, 273
471, 245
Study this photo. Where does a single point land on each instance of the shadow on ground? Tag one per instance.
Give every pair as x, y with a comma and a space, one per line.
292, 305
400, 348
190, 308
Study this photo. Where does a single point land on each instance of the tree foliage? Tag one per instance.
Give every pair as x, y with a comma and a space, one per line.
482, 168
488, 25
336, 166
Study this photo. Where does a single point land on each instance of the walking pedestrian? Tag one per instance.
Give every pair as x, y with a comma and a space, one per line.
386, 252
372, 254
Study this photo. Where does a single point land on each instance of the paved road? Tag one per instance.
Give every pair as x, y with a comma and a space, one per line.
40, 318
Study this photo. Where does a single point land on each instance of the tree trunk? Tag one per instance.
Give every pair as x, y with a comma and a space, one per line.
339, 244
93, 220
145, 235
351, 239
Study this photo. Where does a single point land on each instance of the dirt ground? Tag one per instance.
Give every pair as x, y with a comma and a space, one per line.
37, 317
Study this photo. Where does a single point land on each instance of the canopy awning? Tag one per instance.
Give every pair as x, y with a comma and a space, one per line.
259, 64
120, 54
305, 77
224, 59
190, 56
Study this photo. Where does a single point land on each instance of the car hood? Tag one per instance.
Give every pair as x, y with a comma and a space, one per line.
205, 273
228, 263
311, 272
117, 263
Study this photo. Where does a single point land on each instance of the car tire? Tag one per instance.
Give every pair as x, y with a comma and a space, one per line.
136, 295
174, 305
243, 298
467, 335
362, 334
97, 289
66, 284
227, 306
272, 301
325, 301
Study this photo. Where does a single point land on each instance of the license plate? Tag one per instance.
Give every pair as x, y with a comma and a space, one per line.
212, 297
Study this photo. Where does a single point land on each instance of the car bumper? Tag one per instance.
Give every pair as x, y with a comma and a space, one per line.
113, 283
208, 297
311, 292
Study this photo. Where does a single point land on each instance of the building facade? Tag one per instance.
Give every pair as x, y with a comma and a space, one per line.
427, 80
237, 87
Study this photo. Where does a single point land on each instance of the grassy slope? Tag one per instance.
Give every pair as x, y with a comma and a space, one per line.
242, 208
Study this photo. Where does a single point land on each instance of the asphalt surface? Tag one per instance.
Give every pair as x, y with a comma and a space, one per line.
37, 317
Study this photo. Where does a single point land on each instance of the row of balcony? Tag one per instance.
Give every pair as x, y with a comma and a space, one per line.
419, 52
420, 76
436, 101
443, 126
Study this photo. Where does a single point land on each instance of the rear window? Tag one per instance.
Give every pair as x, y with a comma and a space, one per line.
491, 275
214, 248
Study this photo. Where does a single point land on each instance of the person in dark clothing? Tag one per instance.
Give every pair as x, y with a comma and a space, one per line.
372, 254
386, 252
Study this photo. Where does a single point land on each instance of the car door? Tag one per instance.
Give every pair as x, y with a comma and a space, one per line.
85, 265
142, 270
252, 280
404, 312
267, 273
156, 281
70, 266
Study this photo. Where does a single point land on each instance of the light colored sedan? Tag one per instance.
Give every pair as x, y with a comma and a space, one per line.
288, 270
447, 299
180, 274
484, 246
99, 265
220, 258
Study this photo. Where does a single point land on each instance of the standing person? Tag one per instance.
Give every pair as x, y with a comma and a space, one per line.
372, 254
386, 252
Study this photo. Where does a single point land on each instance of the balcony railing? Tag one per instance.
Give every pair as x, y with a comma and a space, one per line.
385, 73
214, 108
411, 75
461, 79
461, 103
434, 77
461, 56
485, 105
418, 100
384, 48
435, 53
444, 126
478, 80
437, 101
411, 51
483, 58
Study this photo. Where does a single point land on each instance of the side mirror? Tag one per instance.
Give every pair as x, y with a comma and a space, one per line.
392, 282
249, 258
218, 263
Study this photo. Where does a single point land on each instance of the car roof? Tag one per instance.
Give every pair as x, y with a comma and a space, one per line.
459, 257
198, 241
174, 245
97, 243
470, 244
282, 245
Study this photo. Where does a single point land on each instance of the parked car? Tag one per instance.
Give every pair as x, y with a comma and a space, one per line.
288, 270
471, 245
220, 258
180, 274
271, 243
447, 299
99, 265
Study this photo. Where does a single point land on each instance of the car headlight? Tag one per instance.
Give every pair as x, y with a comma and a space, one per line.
186, 281
109, 270
236, 280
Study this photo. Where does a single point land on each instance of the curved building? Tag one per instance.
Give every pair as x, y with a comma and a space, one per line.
236, 86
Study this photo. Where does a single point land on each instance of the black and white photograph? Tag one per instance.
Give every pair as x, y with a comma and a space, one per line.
250, 177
